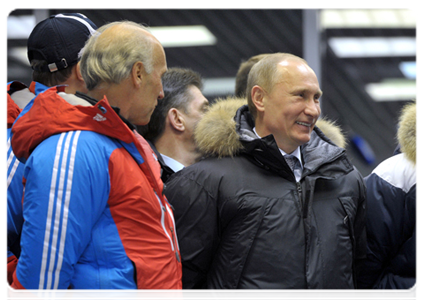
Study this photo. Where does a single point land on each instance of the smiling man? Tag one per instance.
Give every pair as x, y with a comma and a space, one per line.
286, 105
249, 215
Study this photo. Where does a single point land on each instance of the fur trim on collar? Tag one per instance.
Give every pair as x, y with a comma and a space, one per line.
407, 131
216, 133
332, 131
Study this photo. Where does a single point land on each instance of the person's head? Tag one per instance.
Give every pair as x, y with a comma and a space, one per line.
126, 62
54, 46
181, 108
284, 98
242, 74
406, 134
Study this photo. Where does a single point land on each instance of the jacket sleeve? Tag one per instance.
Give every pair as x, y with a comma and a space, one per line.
66, 189
196, 224
383, 230
14, 200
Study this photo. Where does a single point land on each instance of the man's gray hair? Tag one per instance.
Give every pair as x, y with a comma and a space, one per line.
109, 57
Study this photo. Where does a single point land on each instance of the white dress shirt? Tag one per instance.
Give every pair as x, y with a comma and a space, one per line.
171, 163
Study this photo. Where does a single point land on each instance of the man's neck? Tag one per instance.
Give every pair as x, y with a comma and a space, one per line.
183, 152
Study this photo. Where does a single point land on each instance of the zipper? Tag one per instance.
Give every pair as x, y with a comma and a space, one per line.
173, 239
174, 244
300, 193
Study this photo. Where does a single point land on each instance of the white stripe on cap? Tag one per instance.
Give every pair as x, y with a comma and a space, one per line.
89, 27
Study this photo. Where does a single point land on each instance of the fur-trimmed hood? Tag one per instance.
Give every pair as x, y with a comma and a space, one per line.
406, 134
216, 133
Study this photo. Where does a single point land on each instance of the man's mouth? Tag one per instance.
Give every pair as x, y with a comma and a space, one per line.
304, 124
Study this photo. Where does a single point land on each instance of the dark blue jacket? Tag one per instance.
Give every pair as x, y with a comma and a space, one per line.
391, 216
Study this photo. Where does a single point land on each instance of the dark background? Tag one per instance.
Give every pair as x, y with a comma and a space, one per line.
244, 33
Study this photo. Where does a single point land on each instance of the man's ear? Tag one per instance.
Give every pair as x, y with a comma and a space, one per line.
257, 96
176, 119
78, 72
137, 73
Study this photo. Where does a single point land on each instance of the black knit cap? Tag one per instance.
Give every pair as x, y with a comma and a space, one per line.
59, 39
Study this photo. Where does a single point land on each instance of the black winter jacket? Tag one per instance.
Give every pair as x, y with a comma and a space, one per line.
243, 221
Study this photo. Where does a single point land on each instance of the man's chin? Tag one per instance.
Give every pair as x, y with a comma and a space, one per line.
304, 139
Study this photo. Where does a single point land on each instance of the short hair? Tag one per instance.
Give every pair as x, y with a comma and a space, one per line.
48, 78
263, 74
176, 82
110, 58
242, 74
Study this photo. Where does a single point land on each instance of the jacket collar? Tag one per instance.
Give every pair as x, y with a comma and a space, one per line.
93, 101
50, 108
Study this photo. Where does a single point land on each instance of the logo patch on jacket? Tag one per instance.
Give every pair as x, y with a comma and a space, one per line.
99, 118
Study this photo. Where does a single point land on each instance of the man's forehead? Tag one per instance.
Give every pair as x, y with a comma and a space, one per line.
297, 86
290, 63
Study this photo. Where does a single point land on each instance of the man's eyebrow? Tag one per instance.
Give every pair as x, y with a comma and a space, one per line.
306, 90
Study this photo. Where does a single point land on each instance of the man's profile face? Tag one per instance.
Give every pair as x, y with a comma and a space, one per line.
292, 107
152, 88
196, 108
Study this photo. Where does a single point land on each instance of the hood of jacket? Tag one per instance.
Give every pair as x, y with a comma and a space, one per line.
406, 134
217, 133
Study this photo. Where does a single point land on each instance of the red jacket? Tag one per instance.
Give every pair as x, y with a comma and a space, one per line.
119, 224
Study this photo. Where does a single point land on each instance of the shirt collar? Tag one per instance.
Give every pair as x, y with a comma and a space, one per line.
171, 163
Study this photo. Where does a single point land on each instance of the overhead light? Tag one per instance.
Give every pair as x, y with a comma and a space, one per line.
408, 68
183, 36
18, 27
373, 46
368, 18
20, 54
392, 90
218, 86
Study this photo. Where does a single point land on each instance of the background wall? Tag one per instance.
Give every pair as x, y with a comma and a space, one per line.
370, 124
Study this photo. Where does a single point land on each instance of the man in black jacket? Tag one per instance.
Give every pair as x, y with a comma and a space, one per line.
245, 218
170, 131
